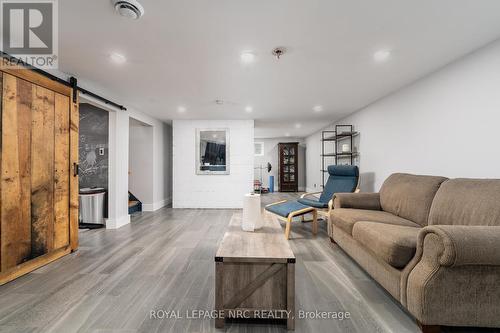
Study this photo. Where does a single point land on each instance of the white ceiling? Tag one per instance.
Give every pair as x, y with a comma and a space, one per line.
188, 53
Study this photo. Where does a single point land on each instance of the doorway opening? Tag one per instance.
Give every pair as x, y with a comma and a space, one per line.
93, 166
140, 174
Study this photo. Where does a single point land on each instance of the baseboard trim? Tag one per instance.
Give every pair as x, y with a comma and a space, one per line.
147, 207
190, 206
117, 223
156, 205
160, 204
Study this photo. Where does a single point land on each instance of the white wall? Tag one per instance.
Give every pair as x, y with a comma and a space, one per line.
313, 162
118, 170
444, 124
271, 156
163, 167
162, 160
212, 191
141, 163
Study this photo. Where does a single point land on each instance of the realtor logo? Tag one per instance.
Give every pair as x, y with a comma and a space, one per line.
29, 31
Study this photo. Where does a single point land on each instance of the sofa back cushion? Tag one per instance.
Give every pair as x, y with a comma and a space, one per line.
467, 202
410, 196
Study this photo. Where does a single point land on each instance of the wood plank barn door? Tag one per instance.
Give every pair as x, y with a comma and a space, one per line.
36, 186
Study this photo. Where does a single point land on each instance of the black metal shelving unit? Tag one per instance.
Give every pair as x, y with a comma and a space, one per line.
341, 134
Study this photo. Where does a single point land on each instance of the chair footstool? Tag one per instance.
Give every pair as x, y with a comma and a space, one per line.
287, 210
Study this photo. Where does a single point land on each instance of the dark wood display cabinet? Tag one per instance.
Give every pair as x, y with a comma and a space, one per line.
288, 166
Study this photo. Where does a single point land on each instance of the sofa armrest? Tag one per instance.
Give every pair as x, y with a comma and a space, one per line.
465, 245
453, 276
369, 201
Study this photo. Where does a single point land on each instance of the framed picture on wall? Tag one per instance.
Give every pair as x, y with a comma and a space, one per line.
212, 151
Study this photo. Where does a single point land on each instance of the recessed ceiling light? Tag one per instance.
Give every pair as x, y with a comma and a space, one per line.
247, 57
298, 125
287, 134
382, 55
318, 108
118, 58
248, 109
181, 109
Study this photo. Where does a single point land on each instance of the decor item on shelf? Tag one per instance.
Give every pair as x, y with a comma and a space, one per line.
252, 219
288, 166
341, 151
212, 151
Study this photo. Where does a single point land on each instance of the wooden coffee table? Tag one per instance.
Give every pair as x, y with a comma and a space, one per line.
255, 274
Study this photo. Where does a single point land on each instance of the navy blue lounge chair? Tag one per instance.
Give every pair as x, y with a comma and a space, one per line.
341, 179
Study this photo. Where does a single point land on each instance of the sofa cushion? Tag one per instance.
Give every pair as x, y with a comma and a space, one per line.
410, 196
388, 276
345, 218
467, 202
395, 244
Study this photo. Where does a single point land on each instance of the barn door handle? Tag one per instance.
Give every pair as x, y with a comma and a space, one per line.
76, 169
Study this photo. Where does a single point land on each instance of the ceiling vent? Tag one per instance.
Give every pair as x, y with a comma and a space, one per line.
128, 8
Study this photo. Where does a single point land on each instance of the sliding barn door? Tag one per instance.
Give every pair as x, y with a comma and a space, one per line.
37, 189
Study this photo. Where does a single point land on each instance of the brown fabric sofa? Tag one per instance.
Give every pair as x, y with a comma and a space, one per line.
431, 242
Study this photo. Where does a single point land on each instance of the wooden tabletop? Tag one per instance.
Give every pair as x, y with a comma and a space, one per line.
266, 244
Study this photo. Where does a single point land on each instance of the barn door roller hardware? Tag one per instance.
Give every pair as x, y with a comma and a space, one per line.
102, 99
73, 82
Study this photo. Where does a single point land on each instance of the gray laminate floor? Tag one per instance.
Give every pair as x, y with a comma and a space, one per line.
164, 261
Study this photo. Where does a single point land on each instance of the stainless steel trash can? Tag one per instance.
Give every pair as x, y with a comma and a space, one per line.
92, 206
